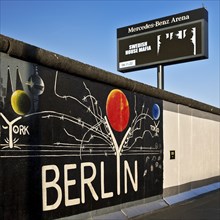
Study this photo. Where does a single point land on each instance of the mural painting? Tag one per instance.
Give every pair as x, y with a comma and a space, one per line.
69, 145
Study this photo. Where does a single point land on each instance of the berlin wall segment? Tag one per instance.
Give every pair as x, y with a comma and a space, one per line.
66, 148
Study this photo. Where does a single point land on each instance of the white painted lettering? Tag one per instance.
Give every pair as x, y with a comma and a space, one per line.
88, 173
88, 181
127, 171
21, 129
15, 129
104, 195
67, 184
52, 184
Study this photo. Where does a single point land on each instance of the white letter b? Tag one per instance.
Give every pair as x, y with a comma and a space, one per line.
51, 184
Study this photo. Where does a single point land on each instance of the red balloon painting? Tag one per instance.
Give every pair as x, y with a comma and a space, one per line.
117, 110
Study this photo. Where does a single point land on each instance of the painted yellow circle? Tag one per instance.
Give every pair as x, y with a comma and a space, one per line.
20, 102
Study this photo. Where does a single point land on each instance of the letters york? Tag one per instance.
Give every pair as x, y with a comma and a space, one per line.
84, 182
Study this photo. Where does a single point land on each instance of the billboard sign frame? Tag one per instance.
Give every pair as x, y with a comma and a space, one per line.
184, 38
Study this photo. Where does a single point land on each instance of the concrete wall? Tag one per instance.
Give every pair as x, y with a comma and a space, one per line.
184, 126
194, 136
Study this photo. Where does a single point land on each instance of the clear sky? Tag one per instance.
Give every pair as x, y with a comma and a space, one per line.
86, 31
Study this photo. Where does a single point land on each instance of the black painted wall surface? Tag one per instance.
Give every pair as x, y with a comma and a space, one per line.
70, 145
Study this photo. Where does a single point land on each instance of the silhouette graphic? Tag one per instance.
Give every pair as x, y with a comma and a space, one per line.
177, 44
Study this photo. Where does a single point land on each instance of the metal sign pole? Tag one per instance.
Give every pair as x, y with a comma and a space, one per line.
160, 77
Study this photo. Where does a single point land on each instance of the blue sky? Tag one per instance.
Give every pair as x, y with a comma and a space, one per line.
86, 31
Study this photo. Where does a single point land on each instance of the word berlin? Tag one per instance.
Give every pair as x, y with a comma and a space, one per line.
158, 24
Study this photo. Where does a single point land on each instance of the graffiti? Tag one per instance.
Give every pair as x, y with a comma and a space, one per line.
85, 182
10, 141
87, 145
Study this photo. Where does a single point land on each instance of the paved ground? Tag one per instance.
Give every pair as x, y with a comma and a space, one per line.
205, 207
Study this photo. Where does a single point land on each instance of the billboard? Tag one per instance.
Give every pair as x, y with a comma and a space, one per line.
174, 39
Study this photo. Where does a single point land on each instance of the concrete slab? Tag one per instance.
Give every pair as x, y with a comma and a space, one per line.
112, 216
145, 208
202, 207
171, 200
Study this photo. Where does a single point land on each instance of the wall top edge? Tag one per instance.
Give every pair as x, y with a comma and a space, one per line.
30, 53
